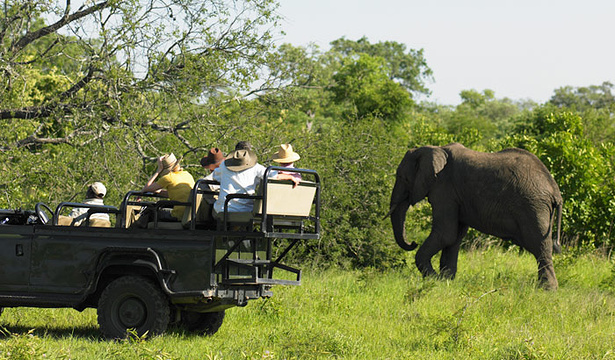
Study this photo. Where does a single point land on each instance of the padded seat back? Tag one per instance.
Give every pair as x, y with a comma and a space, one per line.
203, 209
131, 215
64, 220
283, 199
202, 213
94, 222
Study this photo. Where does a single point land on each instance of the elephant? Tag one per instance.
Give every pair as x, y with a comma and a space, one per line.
509, 194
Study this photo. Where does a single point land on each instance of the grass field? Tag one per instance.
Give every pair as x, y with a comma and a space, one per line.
491, 311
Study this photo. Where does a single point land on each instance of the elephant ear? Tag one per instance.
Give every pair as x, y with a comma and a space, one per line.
431, 160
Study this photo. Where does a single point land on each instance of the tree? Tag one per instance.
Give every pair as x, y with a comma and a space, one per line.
595, 103
365, 85
97, 92
491, 117
407, 68
583, 98
129, 64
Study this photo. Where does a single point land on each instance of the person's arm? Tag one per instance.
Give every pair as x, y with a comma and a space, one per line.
152, 185
289, 177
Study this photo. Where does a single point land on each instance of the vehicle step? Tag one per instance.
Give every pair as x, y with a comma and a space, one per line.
256, 262
260, 281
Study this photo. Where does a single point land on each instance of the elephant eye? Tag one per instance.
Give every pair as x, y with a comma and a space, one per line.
403, 179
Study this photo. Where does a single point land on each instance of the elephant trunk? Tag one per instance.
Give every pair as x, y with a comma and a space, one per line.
398, 220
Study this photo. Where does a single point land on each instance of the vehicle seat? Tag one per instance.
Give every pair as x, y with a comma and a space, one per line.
287, 206
94, 222
202, 214
64, 220
284, 200
132, 214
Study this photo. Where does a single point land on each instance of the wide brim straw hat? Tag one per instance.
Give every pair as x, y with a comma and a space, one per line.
240, 160
169, 163
286, 154
214, 156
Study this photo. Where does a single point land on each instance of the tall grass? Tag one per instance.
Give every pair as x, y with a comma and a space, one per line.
493, 310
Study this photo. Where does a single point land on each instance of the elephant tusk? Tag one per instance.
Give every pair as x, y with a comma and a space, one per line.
390, 212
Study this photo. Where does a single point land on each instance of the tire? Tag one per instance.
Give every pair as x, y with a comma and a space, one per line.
202, 323
132, 302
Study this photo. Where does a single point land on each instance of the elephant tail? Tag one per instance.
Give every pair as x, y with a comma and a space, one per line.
557, 247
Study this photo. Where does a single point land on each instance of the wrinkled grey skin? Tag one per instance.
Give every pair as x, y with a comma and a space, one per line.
509, 194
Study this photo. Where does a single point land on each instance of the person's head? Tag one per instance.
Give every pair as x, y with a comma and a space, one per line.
240, 160
285, 155
243, 145
213, 159
169, 163
96, 190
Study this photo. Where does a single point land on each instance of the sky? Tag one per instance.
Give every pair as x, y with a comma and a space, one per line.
520, 49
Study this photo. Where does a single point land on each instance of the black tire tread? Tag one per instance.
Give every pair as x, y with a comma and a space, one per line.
151, 293
204, 323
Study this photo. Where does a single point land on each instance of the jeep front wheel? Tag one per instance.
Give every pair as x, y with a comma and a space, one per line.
132, 302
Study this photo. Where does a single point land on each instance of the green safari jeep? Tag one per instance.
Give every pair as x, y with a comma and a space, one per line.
144, 279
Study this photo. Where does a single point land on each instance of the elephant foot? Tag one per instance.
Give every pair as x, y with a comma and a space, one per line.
546, 278
447, 274
428, 273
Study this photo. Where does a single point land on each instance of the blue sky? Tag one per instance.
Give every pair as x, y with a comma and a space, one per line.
521, 49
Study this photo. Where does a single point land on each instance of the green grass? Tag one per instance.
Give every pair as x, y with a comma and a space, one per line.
493, 310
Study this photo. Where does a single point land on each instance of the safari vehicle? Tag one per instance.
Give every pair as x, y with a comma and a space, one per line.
185, 273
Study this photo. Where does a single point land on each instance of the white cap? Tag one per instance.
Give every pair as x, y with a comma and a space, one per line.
99, 189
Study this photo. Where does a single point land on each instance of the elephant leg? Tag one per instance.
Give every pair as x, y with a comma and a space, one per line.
541, 246
546, 272
450, 255
424, 254
444, 234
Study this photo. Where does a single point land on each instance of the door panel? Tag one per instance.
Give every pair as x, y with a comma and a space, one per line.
15, 252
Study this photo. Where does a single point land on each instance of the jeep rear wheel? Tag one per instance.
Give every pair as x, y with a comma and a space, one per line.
202, 323
132, 302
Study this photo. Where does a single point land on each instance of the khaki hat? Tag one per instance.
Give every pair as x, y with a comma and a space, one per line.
169, 163
286, 154
240, 160
214, 156
98, 189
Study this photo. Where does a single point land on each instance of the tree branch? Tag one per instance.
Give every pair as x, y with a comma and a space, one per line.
33, 140
78, 85
31, 112
66, 19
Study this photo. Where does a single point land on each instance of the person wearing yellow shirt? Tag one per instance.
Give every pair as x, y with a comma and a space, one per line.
173, 182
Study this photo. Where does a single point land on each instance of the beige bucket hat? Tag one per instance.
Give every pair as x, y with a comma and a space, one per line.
240, 160
169, 163
286, 154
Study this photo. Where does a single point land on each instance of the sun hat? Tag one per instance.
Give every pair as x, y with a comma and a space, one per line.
286, 154
214, 156
240, 160
98, 189
169, 162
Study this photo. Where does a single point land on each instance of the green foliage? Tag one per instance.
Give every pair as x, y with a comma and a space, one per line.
100, 100
357, 171
489, 116
365, 85
584, 98
406, 68
583, 171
